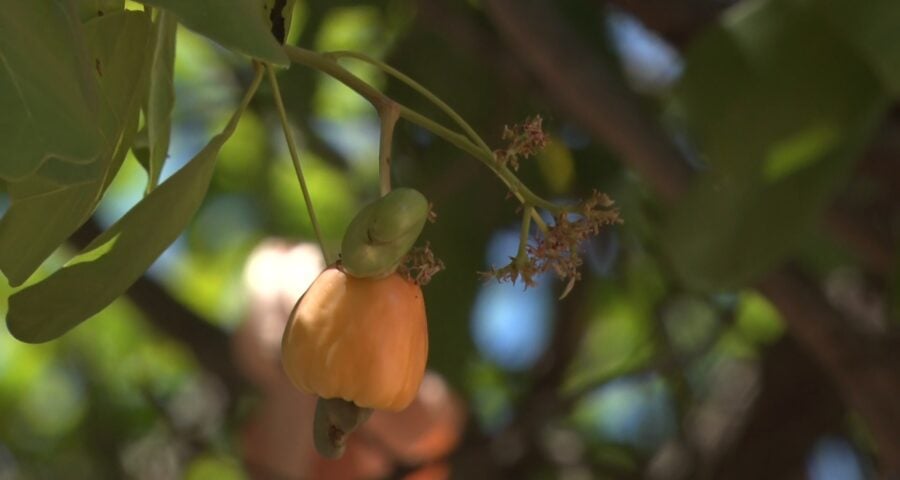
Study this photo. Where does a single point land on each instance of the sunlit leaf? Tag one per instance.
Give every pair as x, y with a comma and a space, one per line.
47, 207
48, 98
757, 319
690, 323
491, 396
621, 336
236, 24
618, 340
222, 468
331, 189
799, 151
161, 95
90, 282
53, 404
355, 27
350, 28
240, 161
780, 106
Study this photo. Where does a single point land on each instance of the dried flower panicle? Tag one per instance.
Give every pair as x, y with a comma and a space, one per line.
431, 216
420, 265
525, 140
559, 248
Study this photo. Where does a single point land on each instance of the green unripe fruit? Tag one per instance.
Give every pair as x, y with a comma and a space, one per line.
383, 232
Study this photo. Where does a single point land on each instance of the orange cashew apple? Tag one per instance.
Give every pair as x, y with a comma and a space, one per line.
363, 340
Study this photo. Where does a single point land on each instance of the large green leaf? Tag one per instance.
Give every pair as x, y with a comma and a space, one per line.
873, 27
48, 206
237, 24
48, 99
780, 106
88, 9
118, 257
160, 96
278, 15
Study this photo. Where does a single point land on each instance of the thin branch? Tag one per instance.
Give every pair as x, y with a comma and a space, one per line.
774, 441
420, 89
868, 245
295, 159
865, 369
388, 117
380, 101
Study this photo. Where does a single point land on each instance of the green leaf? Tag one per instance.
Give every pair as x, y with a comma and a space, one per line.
140, 148
118, 257
780, 106
757, 319
210, 466
278, 15
50, 205
161, 95
88, 9
872, 28
48, 98
236, 24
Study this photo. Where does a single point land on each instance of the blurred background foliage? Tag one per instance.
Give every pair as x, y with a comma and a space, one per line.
670, 359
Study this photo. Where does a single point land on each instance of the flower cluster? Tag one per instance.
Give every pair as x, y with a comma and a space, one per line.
420, 265
558, 249
525, 140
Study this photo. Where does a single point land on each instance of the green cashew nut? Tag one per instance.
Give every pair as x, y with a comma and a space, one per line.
334, 420
383, 232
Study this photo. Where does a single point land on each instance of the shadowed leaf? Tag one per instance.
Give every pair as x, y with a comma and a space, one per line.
781, 106
237, 24
161, 96
50, 205
48, 98
118, 257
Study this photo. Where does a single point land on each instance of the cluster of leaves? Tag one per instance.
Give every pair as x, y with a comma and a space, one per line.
78, 77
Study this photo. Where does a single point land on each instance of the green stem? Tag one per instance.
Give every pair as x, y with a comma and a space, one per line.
519, 189
522, 254
331, 68
388, 116
295, 158
539, 221
231, 126
327, 65
473, 135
